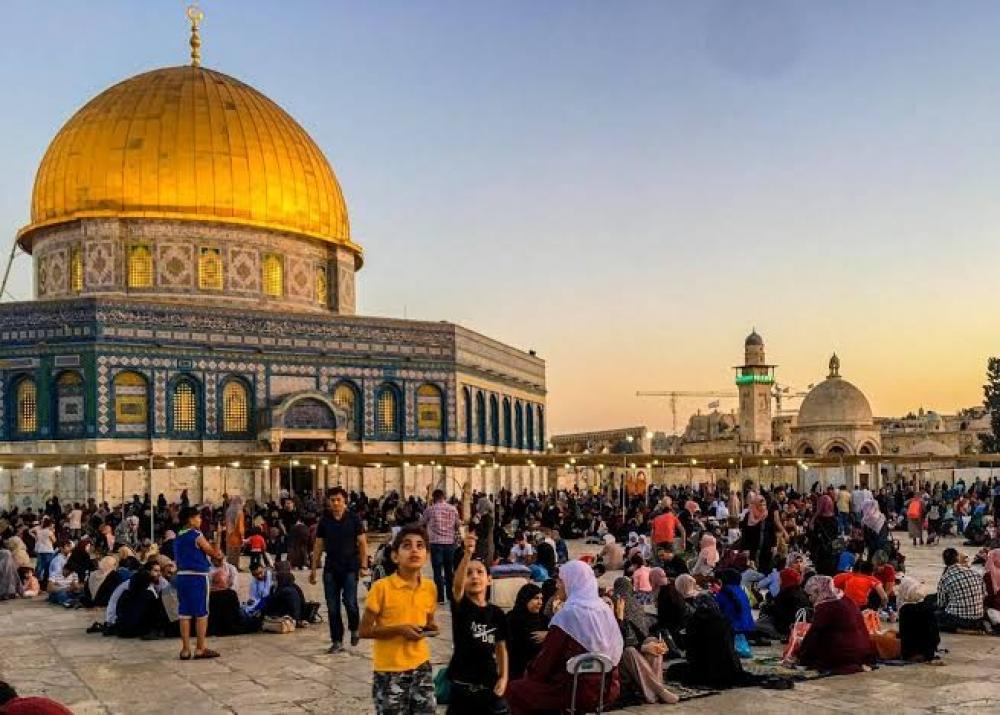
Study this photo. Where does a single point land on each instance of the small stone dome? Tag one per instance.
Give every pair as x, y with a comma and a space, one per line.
835, 401
753, 339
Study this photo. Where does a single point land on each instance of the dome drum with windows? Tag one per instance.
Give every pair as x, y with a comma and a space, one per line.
186, 181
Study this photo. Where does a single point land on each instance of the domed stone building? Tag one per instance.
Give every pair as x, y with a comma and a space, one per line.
836, 418
195, 281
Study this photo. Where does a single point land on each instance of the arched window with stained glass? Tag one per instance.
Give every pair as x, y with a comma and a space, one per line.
25, 407
235, 408
131, 403
184, 407
387, 412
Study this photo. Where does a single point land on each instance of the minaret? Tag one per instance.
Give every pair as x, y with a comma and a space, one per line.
755, 379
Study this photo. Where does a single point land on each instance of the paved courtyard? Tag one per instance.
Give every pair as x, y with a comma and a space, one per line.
44, 650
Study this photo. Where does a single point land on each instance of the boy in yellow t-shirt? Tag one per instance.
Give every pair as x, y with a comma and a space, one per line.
399, 616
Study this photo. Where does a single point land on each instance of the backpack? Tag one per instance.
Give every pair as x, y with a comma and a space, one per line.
915, 510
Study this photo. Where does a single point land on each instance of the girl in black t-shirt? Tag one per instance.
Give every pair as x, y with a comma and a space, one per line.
478, 667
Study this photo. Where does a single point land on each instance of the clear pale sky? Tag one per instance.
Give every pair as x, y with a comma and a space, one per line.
626, 187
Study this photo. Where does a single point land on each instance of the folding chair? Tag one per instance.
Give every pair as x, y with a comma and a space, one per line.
584, 664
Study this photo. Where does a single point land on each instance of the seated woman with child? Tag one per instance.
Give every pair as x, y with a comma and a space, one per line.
837, 640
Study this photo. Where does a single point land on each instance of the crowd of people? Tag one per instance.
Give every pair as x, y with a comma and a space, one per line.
678, 585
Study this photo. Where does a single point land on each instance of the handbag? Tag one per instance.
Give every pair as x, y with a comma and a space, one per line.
796, 635
887, 645
278, 624
442, 687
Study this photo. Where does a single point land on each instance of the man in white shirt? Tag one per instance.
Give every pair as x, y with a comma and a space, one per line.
521, 552
63, 549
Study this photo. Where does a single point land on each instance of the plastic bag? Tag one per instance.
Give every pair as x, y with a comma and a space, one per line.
796, 635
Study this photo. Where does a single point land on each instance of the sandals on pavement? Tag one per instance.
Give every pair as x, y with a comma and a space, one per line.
206, 654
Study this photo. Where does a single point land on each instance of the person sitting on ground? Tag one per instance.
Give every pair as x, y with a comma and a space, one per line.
544, 566
257, 545
521, 552
478, 666
991, 581
641, 585
286, 599
861, 587
105, 567
849, 557
708, 557
919, 635
673, 611
225, 617
64, 548
527, 627
778, 614
734, 604
80, 561
29, 582
710, 658
230, 573
672, 564
837, 640
584, 624
612, 555
886, 574
261, 585
642, 659
64, 587
140, 613
961, 595
10, 582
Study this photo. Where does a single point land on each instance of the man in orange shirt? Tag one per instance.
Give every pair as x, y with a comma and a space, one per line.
666, 525
859, 585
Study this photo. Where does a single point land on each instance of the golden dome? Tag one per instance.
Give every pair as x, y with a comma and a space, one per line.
190, 144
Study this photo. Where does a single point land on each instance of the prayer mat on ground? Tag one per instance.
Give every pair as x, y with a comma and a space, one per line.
771, 665
684, 692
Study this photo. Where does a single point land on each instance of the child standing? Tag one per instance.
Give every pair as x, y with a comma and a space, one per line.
478, 667
399, 615
191, 582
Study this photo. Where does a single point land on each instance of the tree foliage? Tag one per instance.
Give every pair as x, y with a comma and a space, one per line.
991, 400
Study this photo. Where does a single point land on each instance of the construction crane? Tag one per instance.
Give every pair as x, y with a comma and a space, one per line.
674, 395
779, 392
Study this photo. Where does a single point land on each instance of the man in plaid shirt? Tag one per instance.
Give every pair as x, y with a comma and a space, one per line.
961, 594
441, 521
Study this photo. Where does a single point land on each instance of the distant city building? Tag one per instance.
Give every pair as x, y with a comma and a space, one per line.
834, 418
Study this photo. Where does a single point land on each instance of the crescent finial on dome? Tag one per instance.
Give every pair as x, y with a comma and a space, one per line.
834, 366
195, 14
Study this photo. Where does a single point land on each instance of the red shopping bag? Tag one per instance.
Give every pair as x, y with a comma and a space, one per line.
796, 635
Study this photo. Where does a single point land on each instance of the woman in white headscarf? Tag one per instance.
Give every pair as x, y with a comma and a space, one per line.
585, 624
876, 533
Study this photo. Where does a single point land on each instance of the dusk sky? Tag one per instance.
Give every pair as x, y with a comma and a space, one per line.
625, 187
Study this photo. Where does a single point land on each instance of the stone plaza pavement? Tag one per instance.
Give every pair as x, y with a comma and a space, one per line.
45, 651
